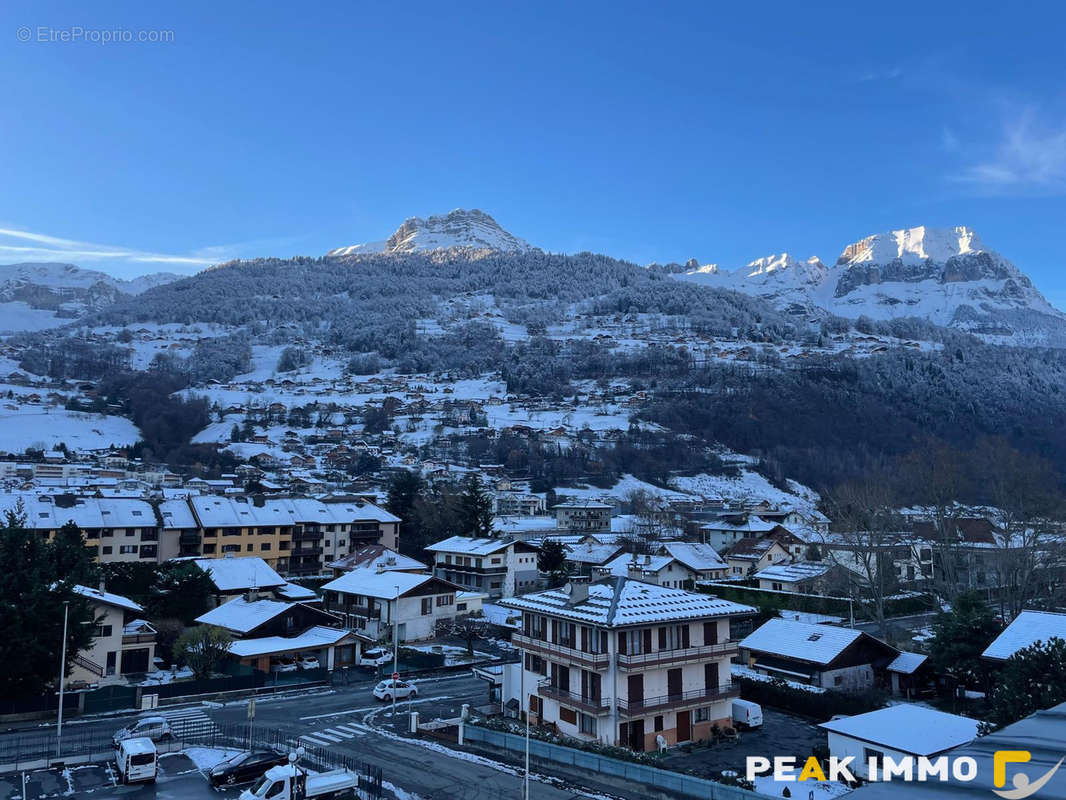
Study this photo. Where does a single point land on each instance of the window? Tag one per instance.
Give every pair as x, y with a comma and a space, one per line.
837, 680
495, 584
131, 531
264, 546
340, 543
536, 664
567, 715
102, 631
209, 549
588, 725
869, 754
658, 724
460, 606
775, 586
105, 550
231, 548
427, 606
127, 549
250, 547
445, 600
703, 714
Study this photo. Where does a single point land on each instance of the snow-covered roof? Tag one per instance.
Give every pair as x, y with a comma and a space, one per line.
584, 504
793, 573
470, 546
293, 592
177, 515
1027, 628
311, 639
591, 552
818, 644
906, 662
748, 525
214, 511
241, 616
619, 601
382, 585
514, 524
44, 513
238, 574
694, 555
98, 596
377, 557
908, 728
649, 563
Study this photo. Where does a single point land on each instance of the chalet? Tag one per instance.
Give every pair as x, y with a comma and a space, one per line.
807, 577
819, 655
748, 556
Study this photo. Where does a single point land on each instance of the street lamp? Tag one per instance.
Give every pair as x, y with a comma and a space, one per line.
62, 675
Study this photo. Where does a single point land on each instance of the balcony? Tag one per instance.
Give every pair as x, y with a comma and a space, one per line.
568, 654
495, 569
658, 658
359, 611
672, 702
306, 551
590, 705
306, 534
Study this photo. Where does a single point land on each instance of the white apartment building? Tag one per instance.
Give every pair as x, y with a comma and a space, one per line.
498, 567
624, 662
122, 644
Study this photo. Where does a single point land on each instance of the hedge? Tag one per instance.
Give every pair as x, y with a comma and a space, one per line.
813, 603
819, 705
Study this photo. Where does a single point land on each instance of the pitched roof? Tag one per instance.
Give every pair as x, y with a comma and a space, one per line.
750, 548
1027, 628
794, 573
619, 601
107, 598
377, 556
311, 639
694, 555
238, 574
592, 552
817, 644
382, 585
909, 728
470, 546
906, 662
241, 616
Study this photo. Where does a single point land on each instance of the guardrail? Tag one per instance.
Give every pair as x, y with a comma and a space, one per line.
648, 705
595, 705
596, 660
658, 657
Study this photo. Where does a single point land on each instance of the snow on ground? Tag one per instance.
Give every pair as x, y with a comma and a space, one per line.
748, 486
452, 654
34, 426
819, 790
742, 671
498, 615
626, 485
207, 757
600, 418
16, 316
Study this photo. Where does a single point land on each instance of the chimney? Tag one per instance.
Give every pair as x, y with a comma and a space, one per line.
577, 590
647, 559
635, 571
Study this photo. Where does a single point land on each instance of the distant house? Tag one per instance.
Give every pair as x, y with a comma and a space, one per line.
819, 655
376, 558
583, 516
499, 567
702, 559
247, 619
588, 555
806, 577
896, 732
1026, 629
749, 555
380, 605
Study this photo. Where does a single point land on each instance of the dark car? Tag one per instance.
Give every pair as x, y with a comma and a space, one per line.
244, 767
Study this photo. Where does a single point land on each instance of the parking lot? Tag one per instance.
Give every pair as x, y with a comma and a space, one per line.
781, 734
179, 778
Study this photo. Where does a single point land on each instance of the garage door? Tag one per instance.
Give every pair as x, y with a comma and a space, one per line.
135, 660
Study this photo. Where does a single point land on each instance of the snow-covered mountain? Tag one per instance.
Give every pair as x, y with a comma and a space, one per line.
459, 228
944, 275
34, 296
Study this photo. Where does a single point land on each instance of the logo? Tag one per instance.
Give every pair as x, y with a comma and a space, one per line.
1023, 786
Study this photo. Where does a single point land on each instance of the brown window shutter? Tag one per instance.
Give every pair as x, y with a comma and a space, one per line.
647, 640
662, 638
555, 630
622, 642
685, 641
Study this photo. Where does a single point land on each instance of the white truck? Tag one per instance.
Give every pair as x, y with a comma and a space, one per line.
290, 782
746, 714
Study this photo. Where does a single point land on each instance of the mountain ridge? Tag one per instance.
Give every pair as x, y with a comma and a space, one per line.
459, 228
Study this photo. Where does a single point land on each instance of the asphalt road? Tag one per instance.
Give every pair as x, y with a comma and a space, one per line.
350, 721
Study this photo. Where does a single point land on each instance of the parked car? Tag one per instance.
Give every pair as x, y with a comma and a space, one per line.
387, 690
244, 767
152, 727
283, 664
375, 657
307, 661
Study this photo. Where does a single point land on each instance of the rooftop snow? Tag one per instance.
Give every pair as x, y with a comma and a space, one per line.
909, 728
311, 639
238, 574
793, 573
695, 556
1027, 628
906, 663
618, 601
97, 596
470, 546
818, 644
382, 585
241, 616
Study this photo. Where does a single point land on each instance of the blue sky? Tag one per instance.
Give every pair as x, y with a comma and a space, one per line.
646, 131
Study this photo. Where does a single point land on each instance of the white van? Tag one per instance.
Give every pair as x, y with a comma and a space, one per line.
137, 760
747, 714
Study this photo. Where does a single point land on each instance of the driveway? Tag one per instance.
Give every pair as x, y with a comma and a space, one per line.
781, 734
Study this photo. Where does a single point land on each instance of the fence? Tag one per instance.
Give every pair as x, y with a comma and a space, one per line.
672, 783
37, 749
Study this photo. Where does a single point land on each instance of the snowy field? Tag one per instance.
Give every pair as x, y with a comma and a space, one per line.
47, 426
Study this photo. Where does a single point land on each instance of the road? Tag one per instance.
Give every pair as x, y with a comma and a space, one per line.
350, 721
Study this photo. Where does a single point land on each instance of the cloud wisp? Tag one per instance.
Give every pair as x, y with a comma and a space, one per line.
1029, 157
21, 244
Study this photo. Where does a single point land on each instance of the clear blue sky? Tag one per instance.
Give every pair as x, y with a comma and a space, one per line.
648, 131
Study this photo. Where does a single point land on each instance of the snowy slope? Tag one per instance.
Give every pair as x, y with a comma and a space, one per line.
34, 296
944, 275
459, 228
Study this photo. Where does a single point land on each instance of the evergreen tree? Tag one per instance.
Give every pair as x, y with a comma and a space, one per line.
551, 561
32, 595
181, 591
1033, 679
959, 638
74, 561
475, 509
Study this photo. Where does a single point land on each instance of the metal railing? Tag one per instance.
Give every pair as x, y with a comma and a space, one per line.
89, 666
595, 705
595, 660
647, 705
657, 657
